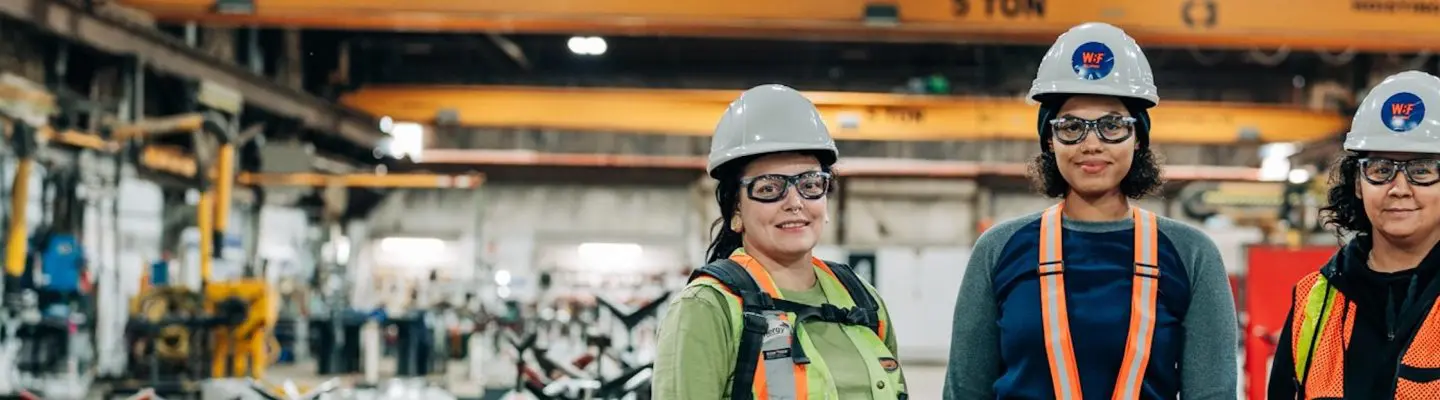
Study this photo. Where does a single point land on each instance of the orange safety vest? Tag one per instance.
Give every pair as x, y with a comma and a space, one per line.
1064, 373
775, 356
1318, 341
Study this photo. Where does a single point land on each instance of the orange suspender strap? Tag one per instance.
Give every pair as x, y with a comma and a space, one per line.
1059, 349
1145, 288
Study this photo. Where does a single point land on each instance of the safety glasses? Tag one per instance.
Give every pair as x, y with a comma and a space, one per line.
1111, 129
774, 187
1419, 172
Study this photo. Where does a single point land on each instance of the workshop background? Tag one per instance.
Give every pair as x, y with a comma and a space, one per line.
392, 199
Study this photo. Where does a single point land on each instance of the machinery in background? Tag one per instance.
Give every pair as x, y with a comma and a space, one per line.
586, 376
26, 111
180, 336
49, 311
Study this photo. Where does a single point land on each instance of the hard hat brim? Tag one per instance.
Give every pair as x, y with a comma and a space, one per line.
826, 153
1358, 142
1040, 90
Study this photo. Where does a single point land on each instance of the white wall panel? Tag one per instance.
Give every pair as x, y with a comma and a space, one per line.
919, 285
909, 212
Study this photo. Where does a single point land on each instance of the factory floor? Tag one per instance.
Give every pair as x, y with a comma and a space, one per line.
924, 381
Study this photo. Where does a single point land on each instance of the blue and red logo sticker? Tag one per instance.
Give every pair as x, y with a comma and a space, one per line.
1402, 112
1092, 61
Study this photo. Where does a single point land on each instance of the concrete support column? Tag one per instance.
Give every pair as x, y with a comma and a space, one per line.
292, 73
358, 267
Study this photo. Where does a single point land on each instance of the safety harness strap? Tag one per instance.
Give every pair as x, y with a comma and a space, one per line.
753, 300
861, 296
758, 304
1059, 349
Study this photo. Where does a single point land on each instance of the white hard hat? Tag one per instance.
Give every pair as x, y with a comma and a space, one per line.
770, 119
1096, 58
1392, 117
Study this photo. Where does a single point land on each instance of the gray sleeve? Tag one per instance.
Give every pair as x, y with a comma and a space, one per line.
1208, 368
975, 337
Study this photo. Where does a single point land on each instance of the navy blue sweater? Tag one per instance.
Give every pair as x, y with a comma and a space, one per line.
997, 350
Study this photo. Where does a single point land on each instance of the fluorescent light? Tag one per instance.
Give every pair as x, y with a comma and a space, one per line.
387, 124
1275, 161
1299, 176
407, 138
502, 277
587, 45
609, 255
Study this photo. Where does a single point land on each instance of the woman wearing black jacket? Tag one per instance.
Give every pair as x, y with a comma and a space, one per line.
1366, 326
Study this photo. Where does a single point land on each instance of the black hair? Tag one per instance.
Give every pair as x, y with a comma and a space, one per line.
1344, 210
1144, 178
727, 196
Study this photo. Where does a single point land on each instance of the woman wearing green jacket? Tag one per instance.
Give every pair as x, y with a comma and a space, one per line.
765, 319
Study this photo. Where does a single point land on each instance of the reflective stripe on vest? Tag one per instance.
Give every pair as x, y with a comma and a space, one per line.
1319, 340
1064, 372
1309, 323
776, 376
1320, 334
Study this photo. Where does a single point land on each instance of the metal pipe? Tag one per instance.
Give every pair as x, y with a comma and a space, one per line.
17, 243
192, 34
205, 222
252, 49
224, 184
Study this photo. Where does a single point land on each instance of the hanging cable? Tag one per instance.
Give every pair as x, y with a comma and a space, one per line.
1414, 63
1270, 60
1206, 60
1335, 60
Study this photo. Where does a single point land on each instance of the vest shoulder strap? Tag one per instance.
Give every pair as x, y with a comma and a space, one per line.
860, 295
1060, 352
753, 325
734, 277
755, 302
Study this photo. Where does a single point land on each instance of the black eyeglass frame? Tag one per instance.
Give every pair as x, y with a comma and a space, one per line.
1364, 164
789, 181
1088, 125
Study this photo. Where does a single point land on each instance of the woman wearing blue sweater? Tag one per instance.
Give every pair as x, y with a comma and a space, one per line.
1094, 298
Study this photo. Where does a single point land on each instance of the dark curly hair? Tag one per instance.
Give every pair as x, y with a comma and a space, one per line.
1344, 211
1144, 178
727, 196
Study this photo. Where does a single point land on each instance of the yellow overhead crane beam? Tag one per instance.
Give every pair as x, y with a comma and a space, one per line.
850, 115
396, 181
1331, 25
173, 160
